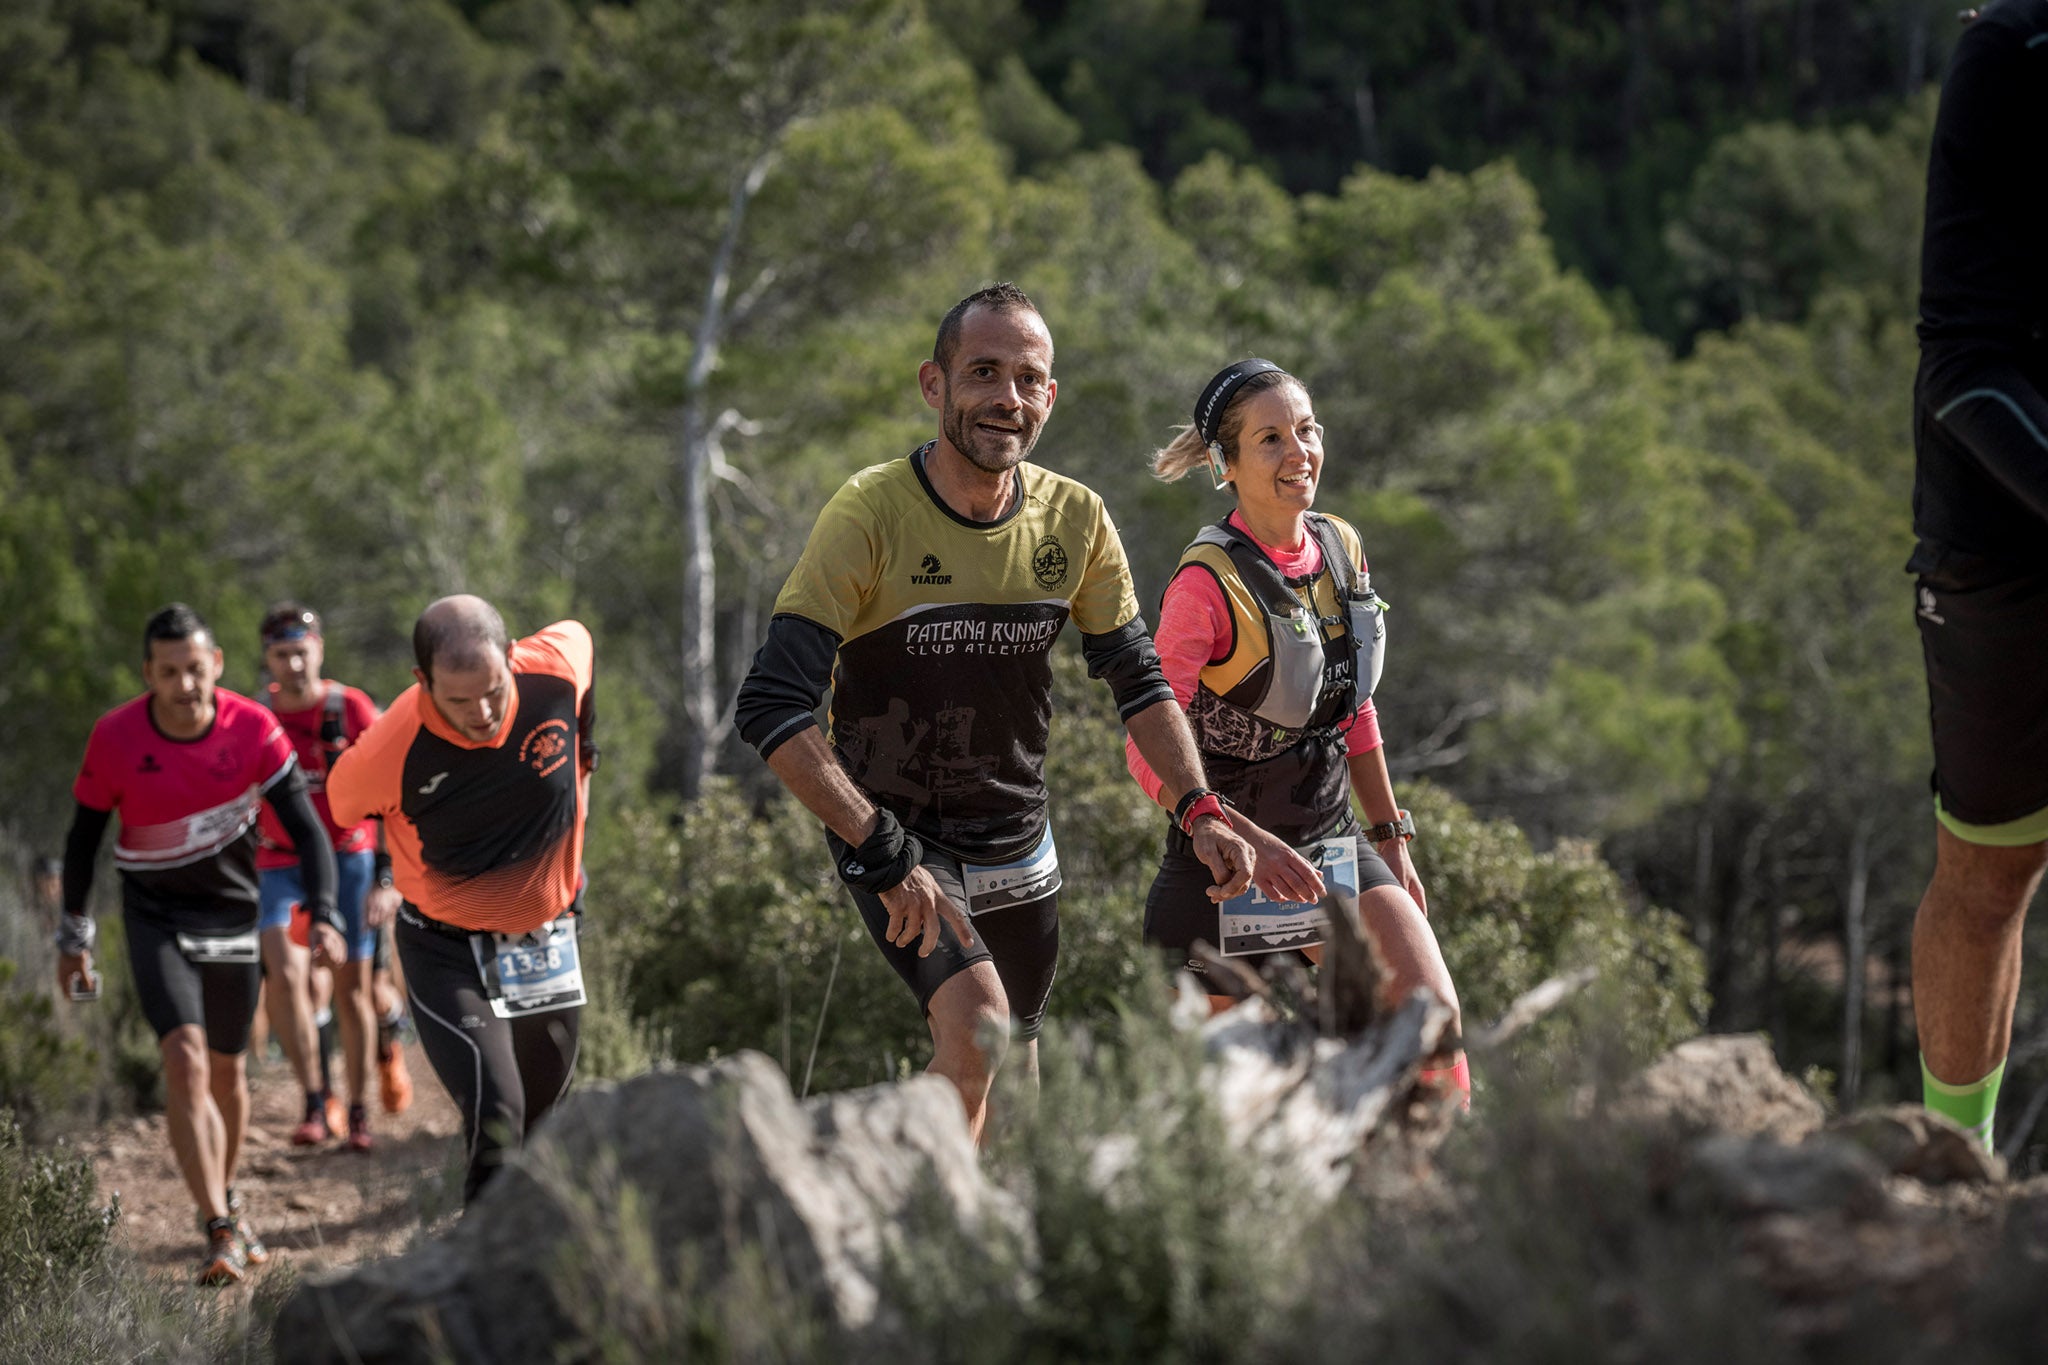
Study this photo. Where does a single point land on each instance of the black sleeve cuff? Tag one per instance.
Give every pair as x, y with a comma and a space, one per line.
1125, 658
791, 671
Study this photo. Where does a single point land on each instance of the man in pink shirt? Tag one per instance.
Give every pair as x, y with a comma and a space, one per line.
187, 764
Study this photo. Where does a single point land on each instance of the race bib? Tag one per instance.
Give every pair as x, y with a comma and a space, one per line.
1250, 923
531, 973
1032, 877
201, 949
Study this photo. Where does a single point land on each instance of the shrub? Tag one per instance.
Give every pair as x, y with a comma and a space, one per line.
53, 1230
1152, 1238
42, 1072
1509, 917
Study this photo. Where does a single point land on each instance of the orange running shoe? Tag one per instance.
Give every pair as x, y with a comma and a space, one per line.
227, 1260
337, 1114
394, 1082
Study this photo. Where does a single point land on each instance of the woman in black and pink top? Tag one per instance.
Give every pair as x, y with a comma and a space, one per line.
1270, 635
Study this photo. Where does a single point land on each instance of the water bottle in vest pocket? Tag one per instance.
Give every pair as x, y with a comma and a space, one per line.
1366, 616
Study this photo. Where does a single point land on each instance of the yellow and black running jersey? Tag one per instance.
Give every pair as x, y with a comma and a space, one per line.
942, 686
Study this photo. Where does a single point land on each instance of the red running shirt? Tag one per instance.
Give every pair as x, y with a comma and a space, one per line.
302, 728
187, 807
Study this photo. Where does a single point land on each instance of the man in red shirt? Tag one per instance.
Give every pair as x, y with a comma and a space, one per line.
186, 765
322, 718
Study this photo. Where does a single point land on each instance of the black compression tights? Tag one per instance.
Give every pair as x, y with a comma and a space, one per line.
503, 1074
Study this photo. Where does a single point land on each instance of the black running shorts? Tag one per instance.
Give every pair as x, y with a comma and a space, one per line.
1022, 940
1178, 910
1984, 632
219, 996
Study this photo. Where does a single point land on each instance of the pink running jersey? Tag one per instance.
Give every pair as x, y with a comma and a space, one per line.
187, 807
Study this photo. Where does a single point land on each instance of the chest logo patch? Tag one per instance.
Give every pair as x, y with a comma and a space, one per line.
546, 746
930, 575
1049, 562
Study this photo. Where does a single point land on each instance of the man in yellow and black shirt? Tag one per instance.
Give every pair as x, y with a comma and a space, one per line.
928, 598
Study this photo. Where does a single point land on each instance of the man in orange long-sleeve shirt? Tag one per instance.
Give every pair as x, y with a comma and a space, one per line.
480, 773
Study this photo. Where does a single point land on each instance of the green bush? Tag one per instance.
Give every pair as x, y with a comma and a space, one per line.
1509, 917
1152, 1238
53, 1229
67, 1294
732, 933
42, 1072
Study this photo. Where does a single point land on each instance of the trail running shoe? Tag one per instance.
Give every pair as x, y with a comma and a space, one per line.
337, 1115
251, 1243
358, 1128
315, 1127
227, 1260
394, 1082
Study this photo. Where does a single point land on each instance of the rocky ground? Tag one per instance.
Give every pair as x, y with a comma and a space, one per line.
316, 1207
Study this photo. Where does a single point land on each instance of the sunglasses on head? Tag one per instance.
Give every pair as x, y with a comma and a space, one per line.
292, 625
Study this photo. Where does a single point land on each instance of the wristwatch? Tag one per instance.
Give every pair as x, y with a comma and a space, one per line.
1401, 827
1196, 803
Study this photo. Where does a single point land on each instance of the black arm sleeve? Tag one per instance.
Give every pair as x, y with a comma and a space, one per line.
1125, 658
586, 726
81, 849
287, 796
2002, 419
791, 671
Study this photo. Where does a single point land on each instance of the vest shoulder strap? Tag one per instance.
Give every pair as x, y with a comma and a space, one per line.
1336, 554
334, 715
1259, 573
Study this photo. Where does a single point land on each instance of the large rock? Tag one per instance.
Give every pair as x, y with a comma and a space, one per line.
1917, 1142
1747, 1176
706, 1170
1723, 1083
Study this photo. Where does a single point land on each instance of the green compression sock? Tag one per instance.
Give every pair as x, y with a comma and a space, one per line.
1972, 1106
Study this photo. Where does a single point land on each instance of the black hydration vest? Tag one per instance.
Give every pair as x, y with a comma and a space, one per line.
1266, 716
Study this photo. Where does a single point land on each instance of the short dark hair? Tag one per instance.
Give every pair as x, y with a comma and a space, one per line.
1002, 297
462, 639
175, 622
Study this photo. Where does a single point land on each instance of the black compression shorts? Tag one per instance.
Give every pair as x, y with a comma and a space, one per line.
1178, 910
1984, 632
1023, 941
218, 996
503, 1074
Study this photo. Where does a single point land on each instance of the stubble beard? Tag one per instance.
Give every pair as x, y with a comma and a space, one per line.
960, 431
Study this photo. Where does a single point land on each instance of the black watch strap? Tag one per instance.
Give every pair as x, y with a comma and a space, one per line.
1402, 827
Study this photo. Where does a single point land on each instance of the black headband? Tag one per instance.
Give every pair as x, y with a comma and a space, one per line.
1215, 399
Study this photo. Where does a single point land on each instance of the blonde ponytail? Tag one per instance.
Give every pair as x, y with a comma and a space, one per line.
1181, 456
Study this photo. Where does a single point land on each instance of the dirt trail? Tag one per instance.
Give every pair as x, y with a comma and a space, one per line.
314, 1206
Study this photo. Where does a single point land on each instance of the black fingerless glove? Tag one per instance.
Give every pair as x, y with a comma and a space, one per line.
883, 859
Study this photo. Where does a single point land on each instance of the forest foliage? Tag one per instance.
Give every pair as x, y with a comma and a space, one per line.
587, 307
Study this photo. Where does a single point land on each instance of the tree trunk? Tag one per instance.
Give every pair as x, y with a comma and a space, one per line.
705, 720
1913, 66
1805, 74
1635, 88
1854, 954
1750, 44
1366, 110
